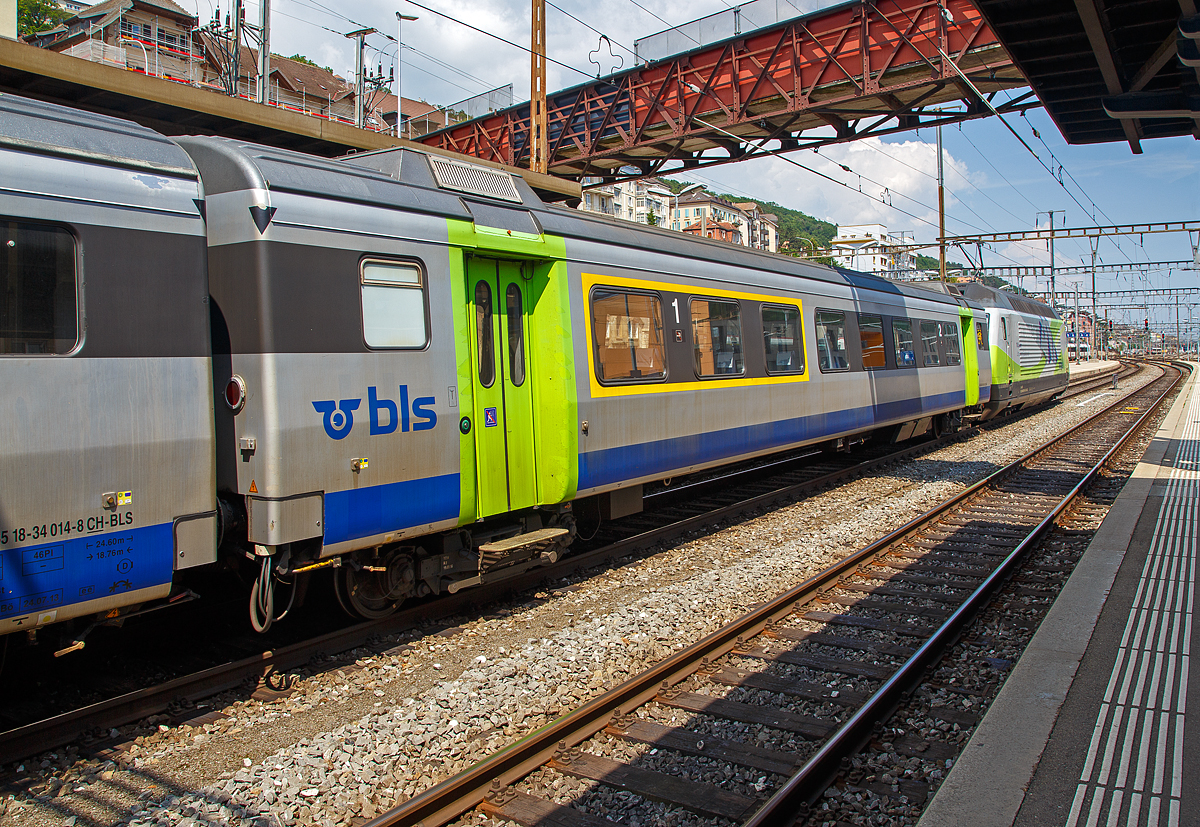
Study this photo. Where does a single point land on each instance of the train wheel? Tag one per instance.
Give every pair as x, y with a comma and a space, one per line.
375, 589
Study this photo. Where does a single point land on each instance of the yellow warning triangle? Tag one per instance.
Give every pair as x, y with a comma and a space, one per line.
253, 487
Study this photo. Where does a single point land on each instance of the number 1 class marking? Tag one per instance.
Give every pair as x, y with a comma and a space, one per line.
675, 304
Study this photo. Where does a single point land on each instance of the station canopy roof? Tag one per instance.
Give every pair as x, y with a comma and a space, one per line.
1107, 70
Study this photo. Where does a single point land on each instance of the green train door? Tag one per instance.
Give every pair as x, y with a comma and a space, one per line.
970, 357
503, 414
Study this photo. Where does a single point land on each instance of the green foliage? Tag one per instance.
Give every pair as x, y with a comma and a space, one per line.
793, 224
38, 15
652, 219
1001, 284
675, 186
302, 59
932, 263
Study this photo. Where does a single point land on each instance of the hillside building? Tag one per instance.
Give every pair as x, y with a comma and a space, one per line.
870, 248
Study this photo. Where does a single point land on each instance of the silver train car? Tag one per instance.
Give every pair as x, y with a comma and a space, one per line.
401, 366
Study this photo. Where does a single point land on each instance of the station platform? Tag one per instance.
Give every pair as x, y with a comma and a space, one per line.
1088, 730
1082, 370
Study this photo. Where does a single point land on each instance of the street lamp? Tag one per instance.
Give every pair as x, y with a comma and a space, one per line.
684, 191
812, 245
400, 18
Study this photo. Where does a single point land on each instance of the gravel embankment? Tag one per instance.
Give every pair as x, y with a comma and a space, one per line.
349, 743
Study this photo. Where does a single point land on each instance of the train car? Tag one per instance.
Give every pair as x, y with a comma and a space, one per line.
107, 485
427, 365
1026, 339
401, 366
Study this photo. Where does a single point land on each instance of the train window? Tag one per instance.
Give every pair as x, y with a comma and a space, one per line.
929, 343
870, 333
902, 335
950, 343
783, 339
39, 311
393, 304
717, 337
981, 336
1004, 329
830, 328
627, 329
516, 335
485, 345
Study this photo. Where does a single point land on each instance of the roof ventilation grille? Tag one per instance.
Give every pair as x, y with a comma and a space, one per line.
477, 180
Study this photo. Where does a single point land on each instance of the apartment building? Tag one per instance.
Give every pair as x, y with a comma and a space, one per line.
630, 200
703, 208
760, 230
870, 248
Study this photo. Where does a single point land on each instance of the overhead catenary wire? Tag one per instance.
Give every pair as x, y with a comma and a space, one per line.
965, 179
591, 27
497, 37
664, 22
1025, 144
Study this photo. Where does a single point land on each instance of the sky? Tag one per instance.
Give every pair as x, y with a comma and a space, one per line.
993, 183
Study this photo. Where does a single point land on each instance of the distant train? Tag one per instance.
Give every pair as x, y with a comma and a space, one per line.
403, 366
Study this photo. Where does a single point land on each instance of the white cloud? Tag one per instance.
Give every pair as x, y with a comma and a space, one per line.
903, 174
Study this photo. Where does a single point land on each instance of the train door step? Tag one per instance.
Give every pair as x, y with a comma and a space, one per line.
533, 538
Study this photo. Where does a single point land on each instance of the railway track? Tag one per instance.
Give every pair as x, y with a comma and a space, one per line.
815, 672
670, 513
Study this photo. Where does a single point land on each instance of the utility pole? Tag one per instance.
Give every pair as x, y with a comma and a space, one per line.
538, 119
1177, 324
239, 20
941, 209
1075, 323
400, 18
1053, 297
360, 36
1095, 248
264, 51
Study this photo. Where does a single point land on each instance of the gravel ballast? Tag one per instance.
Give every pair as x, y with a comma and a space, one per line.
349, 743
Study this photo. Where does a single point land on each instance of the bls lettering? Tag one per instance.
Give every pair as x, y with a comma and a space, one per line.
385, 415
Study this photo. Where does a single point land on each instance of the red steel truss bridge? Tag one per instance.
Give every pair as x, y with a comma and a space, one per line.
858, 69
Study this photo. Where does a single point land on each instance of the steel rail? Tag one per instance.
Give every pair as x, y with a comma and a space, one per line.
40, 736
825, 765
450, 799
50, 733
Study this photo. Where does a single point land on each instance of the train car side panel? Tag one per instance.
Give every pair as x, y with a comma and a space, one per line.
106, 418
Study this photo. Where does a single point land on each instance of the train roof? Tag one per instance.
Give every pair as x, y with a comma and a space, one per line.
45, 128
399, 178
983, 296
413, 180
991, 297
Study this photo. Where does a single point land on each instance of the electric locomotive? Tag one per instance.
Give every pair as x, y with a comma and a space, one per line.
402, 366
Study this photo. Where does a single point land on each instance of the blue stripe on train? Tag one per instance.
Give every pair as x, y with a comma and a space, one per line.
79, 567
663, 456
378, 509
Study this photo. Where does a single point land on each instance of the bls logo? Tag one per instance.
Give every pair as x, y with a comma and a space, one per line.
339, 417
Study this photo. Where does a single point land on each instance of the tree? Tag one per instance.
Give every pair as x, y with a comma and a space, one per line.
925, 262
652, 219
299, 58
38, 15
